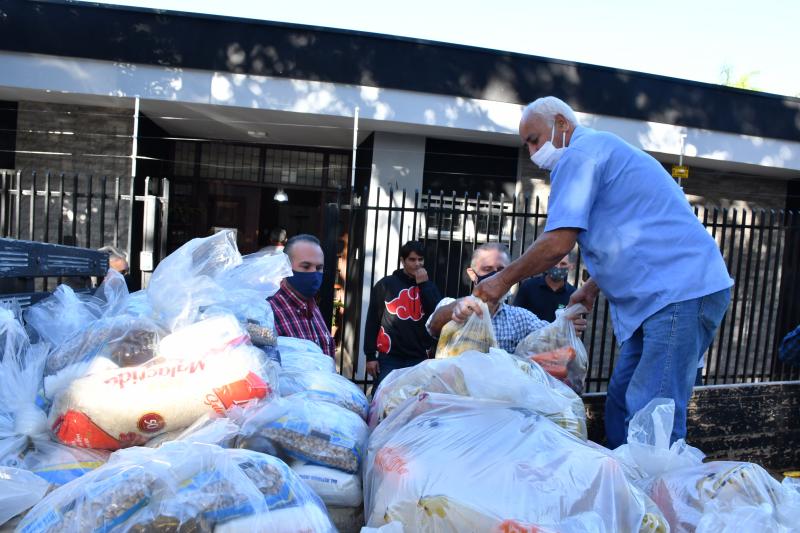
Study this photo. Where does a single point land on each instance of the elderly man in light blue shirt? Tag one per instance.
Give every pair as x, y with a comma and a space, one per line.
660, 270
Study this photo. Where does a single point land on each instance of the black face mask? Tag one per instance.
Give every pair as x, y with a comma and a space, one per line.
489, 275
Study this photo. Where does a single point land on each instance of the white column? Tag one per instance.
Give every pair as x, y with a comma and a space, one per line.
397, 162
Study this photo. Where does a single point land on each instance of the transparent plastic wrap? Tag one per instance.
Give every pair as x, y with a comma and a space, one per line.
21, 367
19, 491
474, 334
183, 282
120, 407
123, 340
302, 355
446, 463
493, 376
712, 492
183, 486
648, 453
313, 431
258, 272
559, 349
325, 386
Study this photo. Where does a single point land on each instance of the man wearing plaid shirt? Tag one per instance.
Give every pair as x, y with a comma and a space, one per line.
511, 324
296, 312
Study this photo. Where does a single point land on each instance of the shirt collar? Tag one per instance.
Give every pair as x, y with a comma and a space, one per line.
579, 132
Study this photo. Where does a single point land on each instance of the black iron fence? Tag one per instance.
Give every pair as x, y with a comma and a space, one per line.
129, 213
761, 249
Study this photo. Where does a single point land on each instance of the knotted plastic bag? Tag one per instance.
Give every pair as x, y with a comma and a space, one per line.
475, 333
558, 349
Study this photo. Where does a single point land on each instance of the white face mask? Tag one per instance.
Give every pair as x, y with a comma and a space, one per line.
548, 155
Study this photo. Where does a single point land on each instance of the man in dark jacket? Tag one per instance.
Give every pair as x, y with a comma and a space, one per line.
398, 307
543, 295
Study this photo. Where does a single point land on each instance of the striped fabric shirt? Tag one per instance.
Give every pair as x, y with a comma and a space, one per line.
298, 317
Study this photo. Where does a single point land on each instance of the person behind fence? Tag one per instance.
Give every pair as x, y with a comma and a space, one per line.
543, 295
660, 270
789, 351
511, 323
117, 260
294, 305
277, 241
395, 334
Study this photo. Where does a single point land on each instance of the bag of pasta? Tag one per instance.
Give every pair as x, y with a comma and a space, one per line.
558, 349
476, 333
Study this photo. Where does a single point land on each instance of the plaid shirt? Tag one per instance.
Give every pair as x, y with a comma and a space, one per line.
298, 317
511, 324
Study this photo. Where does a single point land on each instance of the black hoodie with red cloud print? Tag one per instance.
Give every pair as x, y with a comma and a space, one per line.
398, 309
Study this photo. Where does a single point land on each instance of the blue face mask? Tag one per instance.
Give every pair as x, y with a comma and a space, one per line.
306, 283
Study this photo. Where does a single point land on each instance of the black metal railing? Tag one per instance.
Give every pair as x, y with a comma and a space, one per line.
86, 211
761, 249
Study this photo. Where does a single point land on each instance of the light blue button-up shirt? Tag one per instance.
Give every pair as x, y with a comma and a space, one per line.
640, 240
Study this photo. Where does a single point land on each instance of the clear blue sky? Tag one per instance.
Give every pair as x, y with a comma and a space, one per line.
689, 39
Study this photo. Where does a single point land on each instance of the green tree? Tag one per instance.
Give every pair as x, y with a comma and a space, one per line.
741, 81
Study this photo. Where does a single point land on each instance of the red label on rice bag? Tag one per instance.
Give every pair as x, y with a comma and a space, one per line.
252, 387
76, 429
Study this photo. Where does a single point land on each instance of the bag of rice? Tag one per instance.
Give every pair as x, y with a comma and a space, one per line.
327, 387
316, 432
123, 407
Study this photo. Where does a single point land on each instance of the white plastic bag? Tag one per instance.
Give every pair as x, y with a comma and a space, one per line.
183, 282
475, 334
65, 313
558, 348
21, 368
302, 355
447, 463
19, 491
648, 453
712, 493
182, 486
493, 376
325, 386
334, 487
316, 432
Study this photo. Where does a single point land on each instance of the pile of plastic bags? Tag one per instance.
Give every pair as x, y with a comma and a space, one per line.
169, 410
488, 441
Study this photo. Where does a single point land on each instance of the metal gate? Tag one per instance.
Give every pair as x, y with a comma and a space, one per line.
761, 249
130, 213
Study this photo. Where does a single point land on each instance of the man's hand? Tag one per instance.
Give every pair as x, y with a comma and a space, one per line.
492, 289
586, 295
421, 275
373, 368
465, 307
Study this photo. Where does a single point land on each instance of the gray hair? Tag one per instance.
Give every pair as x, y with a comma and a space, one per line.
548, 107
113, 251
486, 247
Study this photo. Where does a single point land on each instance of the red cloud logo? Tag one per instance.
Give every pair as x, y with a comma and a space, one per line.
384, 341
407, 305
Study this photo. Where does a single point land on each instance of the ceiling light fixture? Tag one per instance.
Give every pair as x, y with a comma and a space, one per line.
281, 196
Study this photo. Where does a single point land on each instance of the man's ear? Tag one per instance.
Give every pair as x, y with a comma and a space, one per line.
472, 275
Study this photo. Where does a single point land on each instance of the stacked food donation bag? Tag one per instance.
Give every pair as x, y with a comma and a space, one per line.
483, 440
162, 411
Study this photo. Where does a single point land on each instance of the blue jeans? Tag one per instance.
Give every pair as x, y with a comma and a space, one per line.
660, 361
